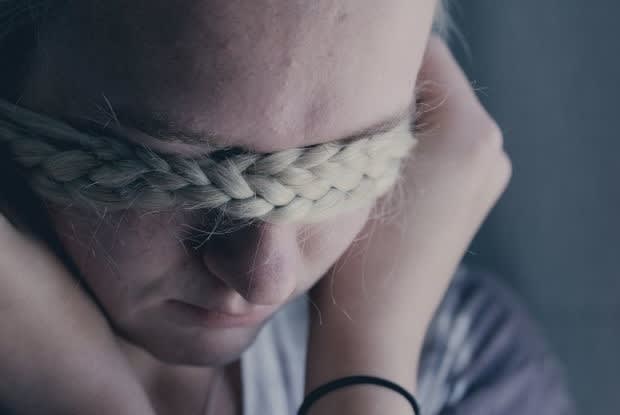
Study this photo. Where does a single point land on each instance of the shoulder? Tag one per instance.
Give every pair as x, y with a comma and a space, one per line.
483, 350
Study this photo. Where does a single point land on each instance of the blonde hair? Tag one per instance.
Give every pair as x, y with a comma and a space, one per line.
306, 184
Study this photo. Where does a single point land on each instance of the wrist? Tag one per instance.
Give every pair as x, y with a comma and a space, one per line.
372, 329
359, 395
335, 352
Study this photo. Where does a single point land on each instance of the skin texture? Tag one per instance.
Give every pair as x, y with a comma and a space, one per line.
262, 75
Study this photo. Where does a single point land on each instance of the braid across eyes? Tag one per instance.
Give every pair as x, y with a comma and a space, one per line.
69, 166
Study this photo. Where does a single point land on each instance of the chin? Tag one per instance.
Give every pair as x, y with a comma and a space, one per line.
194, 346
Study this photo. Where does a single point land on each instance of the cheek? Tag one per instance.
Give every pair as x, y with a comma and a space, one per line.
117, 258
324, 243
125, 260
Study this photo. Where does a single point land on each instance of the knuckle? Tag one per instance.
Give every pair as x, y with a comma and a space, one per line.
492, 136
488, 154
506, 165
488, 142
502, 171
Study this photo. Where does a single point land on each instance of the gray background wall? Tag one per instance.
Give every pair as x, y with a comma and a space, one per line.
548, 71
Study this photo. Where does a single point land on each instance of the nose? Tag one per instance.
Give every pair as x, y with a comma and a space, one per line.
260, 261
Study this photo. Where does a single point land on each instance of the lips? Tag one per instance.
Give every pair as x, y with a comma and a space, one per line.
189, 314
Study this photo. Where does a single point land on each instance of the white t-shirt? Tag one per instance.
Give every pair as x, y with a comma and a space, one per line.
273, 367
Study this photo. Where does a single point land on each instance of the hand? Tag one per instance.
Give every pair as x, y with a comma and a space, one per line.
57, 353
378, 299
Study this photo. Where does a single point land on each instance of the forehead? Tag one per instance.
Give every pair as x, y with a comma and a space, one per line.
265, 75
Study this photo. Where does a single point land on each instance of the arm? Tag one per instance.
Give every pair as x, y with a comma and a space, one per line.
57, 353
391, 282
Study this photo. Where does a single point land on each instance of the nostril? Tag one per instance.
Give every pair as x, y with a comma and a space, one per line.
260, 262
264, 280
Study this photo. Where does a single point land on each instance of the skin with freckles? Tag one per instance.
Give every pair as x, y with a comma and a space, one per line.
266, 76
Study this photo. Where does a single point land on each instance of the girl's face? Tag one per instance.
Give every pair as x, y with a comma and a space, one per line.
184, 76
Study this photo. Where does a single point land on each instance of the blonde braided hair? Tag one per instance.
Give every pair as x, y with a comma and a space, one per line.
69, 166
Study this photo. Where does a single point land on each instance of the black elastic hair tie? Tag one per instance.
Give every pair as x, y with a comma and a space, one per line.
322, 390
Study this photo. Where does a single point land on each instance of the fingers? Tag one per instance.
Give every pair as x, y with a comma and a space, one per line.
445, 95
455, 132
440, 68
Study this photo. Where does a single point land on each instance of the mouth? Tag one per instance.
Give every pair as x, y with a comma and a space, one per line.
189, 314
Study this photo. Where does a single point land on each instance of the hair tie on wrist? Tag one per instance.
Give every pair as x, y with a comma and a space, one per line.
322, 390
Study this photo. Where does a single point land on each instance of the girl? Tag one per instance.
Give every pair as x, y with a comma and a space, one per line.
256, 198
